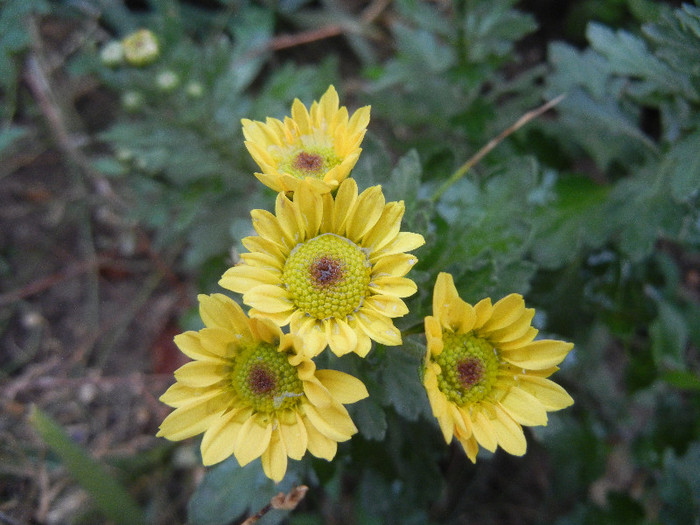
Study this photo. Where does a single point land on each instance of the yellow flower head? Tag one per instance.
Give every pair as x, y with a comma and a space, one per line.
320, 145
254, 394
484, 374
140, 48
331, 268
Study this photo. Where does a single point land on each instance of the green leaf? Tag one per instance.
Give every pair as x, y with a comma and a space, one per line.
109, 496
369, 418
628, 55
669, 336
685, 171
683, 379
679, 486
400, 379
572, 222
229, 491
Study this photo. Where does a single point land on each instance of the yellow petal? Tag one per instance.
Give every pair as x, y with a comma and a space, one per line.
551, 395
396, 265
265, 330
190, 344
341, 338
328, 104
538, 354
300, 115
433, 333
483, 310
378, 327
505, 312
310, 205
220, 341
264, 261
513, 331
524, 339
344, 202
387, 305
343, 387
359, 120
452, 311
274, 458
524, 407
310, 331
471, 447
317, 394
194, 418
198, 374
294, 437
219, 439
267, 226
318, 444
252, 440
365, 213
332, 421
218, 310
387, 227
268, 298
403, 242
483, 430
364, 344
256, 243
242, 278
178, 394
509, 433
396, 286
290, 219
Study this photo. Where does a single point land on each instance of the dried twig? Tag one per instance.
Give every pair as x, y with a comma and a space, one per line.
464, 168
282, 502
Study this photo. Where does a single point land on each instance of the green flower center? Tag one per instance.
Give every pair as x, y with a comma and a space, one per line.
327, 276
312, 161
263, 377
469, 366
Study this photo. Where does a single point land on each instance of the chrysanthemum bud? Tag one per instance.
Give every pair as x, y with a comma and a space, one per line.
141, 48
194, 89
132, 100
167, 80
112, 54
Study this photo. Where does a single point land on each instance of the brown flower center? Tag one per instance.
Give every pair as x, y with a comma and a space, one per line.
470, 371
309, 162
260, 380
326, 271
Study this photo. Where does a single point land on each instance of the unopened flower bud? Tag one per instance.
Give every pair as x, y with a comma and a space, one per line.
194, 89
141, 48
132, 100
167, 80
112, 54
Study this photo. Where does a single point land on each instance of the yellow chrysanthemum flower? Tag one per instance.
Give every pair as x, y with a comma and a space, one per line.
254, 393
320, 145
484, 373
331, 268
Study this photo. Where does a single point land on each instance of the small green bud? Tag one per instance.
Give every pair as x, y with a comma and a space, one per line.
167, 80
141, 48
112, 54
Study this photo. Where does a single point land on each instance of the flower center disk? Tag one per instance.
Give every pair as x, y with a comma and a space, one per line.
263, 377
312, 161
327, 276
469, 366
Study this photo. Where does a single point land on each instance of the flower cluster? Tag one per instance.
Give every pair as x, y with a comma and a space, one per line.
327, 270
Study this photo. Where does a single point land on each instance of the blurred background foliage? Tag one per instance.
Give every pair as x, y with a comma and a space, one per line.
127, 190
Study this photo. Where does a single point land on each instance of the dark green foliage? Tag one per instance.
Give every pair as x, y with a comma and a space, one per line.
591, 212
